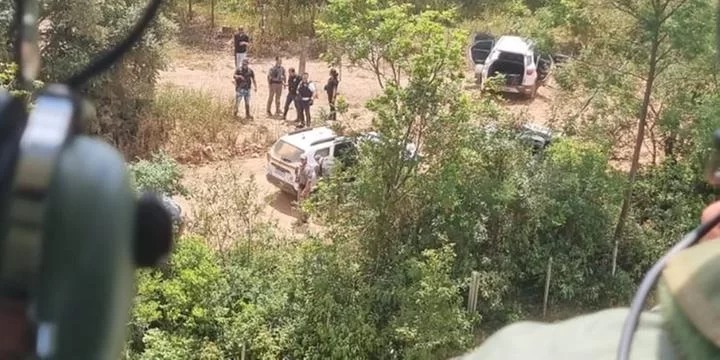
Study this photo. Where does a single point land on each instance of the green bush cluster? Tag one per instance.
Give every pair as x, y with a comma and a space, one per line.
308, 301
160, 174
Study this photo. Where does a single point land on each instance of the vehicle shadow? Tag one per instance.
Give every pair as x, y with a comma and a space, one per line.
281, 202
519, 99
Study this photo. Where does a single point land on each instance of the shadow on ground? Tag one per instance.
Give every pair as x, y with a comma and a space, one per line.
281, 202
519, 99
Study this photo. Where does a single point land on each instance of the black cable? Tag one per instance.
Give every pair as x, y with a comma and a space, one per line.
648, 282
104, 62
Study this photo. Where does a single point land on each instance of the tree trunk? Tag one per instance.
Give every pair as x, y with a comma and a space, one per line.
189, 9
635, 165
212, 14
303, 55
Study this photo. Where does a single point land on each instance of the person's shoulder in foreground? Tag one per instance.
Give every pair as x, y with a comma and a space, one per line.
687, 327
588, 337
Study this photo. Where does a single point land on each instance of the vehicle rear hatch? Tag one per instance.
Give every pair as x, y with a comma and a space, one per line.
511, 65
283, 160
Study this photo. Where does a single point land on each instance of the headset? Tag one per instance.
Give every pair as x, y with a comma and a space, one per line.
72, 228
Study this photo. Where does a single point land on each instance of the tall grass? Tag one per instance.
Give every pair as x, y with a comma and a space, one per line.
201, 126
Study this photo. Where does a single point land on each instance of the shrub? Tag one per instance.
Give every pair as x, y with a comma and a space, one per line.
161, 174
179, 309
229, 209
202, 125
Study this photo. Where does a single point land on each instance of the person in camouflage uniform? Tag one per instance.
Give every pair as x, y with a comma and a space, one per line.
686, 325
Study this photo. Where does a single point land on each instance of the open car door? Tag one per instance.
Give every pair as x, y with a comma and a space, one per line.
480, 49
545, 66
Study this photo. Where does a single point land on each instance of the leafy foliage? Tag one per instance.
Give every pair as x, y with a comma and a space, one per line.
75, 32
161, 174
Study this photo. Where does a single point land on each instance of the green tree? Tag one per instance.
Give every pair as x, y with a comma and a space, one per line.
662, 26
77, 31
179, 310
377, 35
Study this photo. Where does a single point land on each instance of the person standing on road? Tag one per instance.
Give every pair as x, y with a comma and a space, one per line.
306, 93
241, 42
244, 80
276, 79
306, 179
293, 81
331, 89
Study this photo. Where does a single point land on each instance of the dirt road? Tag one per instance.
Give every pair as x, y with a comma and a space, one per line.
275, 204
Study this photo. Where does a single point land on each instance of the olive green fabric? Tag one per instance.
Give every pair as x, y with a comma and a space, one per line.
688, 327
692, 278
588, 337
689, 342
690, 295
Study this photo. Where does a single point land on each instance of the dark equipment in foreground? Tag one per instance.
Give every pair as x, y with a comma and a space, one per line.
72, 229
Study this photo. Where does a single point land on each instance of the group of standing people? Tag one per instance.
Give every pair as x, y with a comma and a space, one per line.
300, 90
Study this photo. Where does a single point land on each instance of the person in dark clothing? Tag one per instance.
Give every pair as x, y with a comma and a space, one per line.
241, 41
306, 93
331, 88
293, 81
244, 80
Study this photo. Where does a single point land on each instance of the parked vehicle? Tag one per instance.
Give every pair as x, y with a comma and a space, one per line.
537, 136
515, 58
283, 158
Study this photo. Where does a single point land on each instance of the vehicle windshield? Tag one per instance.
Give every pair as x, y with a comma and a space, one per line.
287, 152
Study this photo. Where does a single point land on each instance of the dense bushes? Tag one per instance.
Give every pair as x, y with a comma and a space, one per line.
301, 301
161, 174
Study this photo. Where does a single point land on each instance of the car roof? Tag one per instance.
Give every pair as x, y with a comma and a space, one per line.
305, 138
537, 128
514, 44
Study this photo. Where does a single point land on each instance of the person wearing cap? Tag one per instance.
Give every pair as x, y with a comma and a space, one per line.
241, 42
306, 179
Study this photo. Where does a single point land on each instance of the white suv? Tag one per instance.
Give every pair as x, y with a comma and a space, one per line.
514, 57
283, 158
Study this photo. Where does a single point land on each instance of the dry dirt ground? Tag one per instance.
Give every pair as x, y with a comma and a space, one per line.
212, 72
